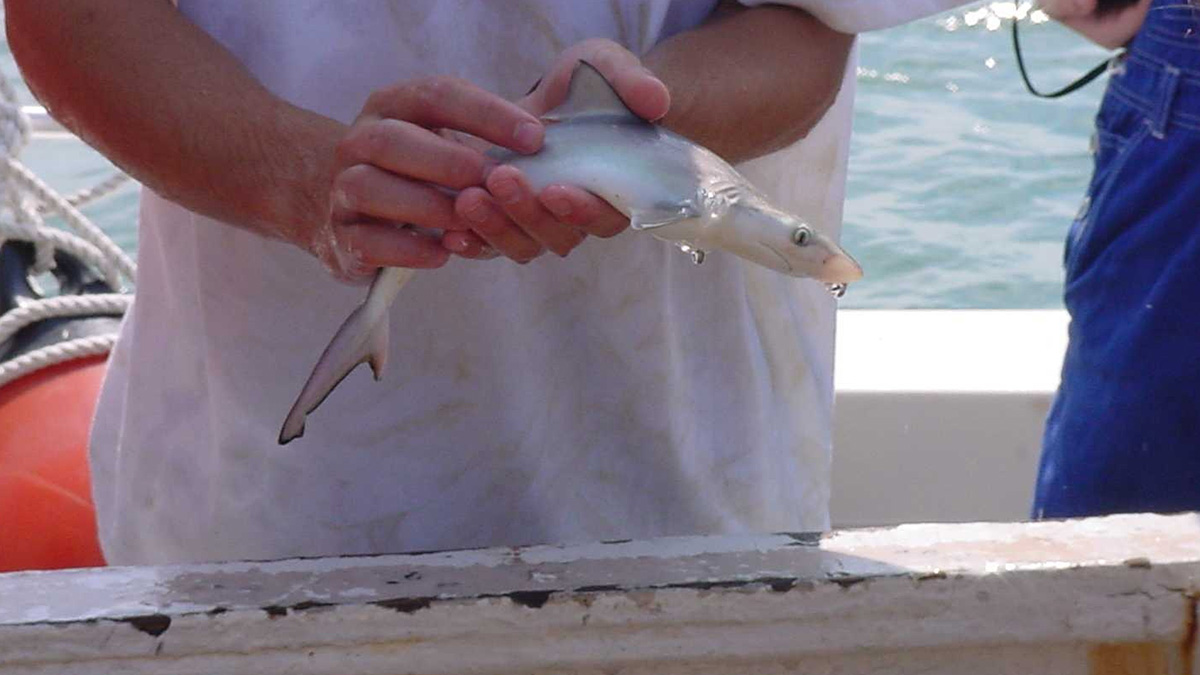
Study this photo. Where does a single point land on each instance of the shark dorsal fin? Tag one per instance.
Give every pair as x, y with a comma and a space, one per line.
590, 95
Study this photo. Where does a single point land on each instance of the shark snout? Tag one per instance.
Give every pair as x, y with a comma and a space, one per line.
840, 268
836, 266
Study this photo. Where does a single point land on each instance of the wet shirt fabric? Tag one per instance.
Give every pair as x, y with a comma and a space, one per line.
621, 392
1123, 434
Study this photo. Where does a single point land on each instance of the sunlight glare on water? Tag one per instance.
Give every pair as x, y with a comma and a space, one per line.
961, 184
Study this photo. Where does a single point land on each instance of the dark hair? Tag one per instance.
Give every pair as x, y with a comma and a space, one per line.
1112, 6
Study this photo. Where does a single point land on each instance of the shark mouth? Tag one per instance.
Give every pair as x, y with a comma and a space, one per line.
786, 263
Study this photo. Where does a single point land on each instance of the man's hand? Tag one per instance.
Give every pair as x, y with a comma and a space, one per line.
508, 217
394, 169
1112, 29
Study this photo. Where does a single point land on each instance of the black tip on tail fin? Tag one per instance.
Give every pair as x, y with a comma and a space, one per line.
285, 440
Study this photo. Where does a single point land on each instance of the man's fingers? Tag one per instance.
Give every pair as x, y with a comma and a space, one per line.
403, 148
583, 210
410, 150
645, 94
458, 104
511, 190
364, 192
467, 244
487, 220
367, 245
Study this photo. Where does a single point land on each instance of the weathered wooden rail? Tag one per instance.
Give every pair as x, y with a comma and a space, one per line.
1100, 596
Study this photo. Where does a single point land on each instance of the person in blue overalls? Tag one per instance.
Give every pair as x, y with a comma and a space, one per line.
1123, 434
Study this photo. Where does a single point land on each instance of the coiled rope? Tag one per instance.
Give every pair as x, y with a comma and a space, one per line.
25, 203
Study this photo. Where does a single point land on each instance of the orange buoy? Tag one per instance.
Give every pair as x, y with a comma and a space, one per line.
47, 520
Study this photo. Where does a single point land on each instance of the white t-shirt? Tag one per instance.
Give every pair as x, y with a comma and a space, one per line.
621, 392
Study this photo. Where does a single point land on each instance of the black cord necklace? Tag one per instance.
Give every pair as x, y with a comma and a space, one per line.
1077, 84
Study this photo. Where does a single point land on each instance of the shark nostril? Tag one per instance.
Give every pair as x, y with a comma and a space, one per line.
841, 269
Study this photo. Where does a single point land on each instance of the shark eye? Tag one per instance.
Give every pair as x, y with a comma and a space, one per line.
802, 236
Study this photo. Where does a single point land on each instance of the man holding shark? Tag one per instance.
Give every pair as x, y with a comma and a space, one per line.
621, 392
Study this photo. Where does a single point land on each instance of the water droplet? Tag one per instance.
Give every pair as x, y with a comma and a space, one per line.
697, 254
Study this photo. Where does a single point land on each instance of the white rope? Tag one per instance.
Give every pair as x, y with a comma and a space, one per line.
59, 307
55, 354
25, 202
113, 262
98, 191
53, 240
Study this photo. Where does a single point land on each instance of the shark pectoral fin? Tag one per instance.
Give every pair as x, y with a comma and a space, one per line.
363, 337
661, 216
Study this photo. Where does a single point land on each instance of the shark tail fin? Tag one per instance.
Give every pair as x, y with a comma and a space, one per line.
363, 337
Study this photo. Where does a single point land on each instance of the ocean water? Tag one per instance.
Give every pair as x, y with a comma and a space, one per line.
961, 184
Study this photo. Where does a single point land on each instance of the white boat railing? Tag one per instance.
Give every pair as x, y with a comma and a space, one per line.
939, 413
1091, 597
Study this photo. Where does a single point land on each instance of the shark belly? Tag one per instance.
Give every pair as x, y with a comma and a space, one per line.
631, 167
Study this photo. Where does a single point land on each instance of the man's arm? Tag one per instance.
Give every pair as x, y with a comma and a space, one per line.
777, 70
167, 103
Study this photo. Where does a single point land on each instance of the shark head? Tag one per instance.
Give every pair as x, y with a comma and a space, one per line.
784, 243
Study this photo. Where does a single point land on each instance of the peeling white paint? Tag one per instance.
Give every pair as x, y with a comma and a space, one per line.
1012, 598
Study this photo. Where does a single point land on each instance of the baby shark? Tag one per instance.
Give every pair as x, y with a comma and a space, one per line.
668, 186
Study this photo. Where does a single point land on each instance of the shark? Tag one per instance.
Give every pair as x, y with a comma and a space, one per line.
667, 185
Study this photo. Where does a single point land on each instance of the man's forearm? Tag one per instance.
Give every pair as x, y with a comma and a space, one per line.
175, 110
751, 81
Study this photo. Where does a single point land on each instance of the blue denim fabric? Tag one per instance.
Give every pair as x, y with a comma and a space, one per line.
1123, 434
